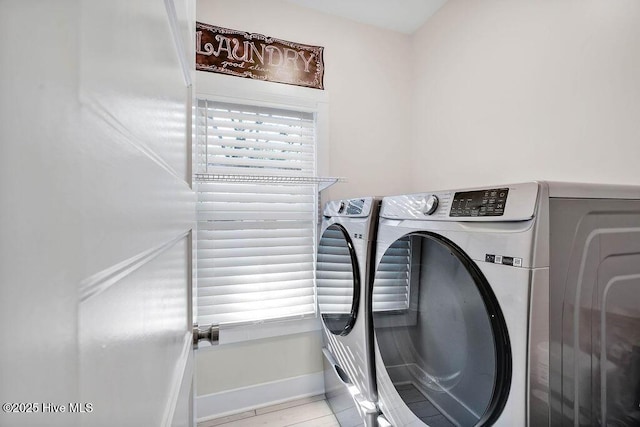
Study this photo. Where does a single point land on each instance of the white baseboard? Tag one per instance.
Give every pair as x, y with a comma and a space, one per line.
244, 399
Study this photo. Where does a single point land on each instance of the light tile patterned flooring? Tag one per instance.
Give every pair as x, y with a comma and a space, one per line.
307, 412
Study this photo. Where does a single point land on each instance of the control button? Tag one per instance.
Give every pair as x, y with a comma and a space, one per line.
431, 205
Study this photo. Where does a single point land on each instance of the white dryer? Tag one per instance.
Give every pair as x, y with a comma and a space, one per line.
512, 305
343, 276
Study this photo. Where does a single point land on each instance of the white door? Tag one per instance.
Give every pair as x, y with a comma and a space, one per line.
97, 212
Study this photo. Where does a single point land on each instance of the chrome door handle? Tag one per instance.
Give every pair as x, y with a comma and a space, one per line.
210, 333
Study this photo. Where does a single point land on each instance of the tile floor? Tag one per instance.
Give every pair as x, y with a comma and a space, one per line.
315, 412
308, 412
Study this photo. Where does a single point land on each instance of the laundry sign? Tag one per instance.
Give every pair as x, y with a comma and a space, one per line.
254, 56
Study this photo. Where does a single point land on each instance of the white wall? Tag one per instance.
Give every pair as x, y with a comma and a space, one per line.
255, 362
508, 91
365, 96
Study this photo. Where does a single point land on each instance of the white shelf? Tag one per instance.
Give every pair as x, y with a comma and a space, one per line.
322, 182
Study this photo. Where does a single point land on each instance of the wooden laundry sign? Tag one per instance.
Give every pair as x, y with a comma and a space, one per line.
236, 53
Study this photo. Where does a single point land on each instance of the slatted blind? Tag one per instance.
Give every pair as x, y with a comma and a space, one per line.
256, 240
391, 285
240, 139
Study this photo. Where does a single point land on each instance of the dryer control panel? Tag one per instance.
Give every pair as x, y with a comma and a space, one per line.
515, 202
357, 208
489, 202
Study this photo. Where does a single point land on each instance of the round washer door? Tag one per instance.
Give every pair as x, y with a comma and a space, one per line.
440, 333
337, 280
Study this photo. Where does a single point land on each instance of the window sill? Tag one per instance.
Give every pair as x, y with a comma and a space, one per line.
256, 331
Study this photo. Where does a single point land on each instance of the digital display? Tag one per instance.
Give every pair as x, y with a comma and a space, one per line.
479, 203
355, 207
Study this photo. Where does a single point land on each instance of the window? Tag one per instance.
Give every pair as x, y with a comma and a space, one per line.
257, 214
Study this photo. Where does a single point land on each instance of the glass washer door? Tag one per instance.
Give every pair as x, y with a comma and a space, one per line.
337, 280
445, 345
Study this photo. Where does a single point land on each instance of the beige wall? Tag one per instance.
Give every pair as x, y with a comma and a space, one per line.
508, 91
254, 362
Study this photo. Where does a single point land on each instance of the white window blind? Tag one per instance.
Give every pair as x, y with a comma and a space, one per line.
256, 237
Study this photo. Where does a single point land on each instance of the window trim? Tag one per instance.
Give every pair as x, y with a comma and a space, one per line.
217, 87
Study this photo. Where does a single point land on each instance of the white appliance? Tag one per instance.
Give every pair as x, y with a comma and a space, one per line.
345, 257
512, 305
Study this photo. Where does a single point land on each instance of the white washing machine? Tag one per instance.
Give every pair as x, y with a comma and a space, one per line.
513, 305
343, 276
